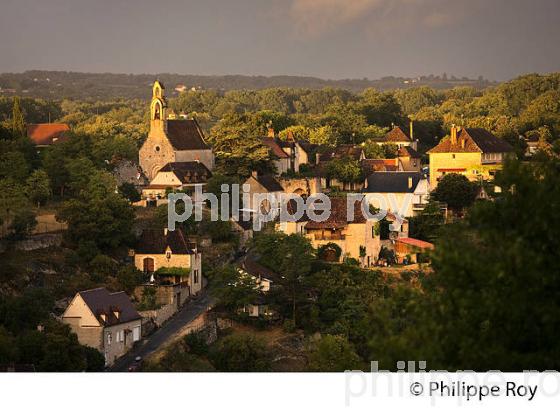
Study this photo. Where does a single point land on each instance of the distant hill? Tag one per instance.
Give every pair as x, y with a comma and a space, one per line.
62, 84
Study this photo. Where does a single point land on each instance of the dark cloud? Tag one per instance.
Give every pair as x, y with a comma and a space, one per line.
327, 38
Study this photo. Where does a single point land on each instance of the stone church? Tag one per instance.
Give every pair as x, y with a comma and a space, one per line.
171, 140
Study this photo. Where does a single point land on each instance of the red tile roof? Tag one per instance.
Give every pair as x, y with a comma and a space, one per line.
416, 243
47, 134
339, 216
274, 147
397, 134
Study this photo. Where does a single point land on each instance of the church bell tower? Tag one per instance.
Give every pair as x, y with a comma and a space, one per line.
158, 107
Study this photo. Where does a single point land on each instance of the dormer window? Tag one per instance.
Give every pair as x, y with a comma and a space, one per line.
168, 254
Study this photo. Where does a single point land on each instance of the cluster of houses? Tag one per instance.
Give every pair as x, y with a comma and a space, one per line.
175, 156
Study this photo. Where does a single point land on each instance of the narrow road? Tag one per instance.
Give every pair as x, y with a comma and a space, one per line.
153, 342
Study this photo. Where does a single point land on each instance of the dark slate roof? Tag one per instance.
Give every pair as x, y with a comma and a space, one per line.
255, 269
269, 183
397, 134
392, 182
156, 241
191, 172
339, 217
475, 140
101, 301
185, 135
407, 151
487, 141
308, 147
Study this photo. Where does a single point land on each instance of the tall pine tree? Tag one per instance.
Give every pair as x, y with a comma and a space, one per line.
18, 121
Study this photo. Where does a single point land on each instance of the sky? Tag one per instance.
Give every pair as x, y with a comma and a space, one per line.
332, 39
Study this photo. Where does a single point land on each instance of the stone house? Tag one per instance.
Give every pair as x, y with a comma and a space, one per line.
282, 160
184, 176
262, 184
171, 140
169, 259
105, 321
356, 235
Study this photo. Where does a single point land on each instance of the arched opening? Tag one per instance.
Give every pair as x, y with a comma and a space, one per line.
157, 111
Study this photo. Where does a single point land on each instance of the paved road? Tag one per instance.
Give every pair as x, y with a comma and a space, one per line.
182, 318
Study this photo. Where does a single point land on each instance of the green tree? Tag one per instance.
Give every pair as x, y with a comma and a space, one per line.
232, 289
290, 256
18, 121
129, 191
456, 191
38, 187
240, 353
333, 354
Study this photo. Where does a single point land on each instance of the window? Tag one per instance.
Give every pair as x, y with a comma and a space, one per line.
196, 276
136, 334
109, 339
120, 336
453, 156
168, 254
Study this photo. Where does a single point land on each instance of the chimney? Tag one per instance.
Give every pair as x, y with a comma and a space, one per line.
463, 143
453, 134
317, 158
409, 182
290, 136
254, 174
411, 130
271, 132
165, 231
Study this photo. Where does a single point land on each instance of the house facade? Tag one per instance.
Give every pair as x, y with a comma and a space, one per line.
171, 140
105, 321
473, 152
404, 194
158, 252
355, 235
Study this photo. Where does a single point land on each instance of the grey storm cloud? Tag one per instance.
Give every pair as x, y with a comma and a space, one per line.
498, 39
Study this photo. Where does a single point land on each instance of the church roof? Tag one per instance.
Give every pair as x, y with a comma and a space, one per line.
185, 135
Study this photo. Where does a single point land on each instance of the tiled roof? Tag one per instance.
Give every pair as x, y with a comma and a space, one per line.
47, 134
376, 165
274, 147
101, 301
342, 151
156, 241
185, 135
269, 183
191, 172
339, 217
472, 140
385, 182
397, 134
416, 243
